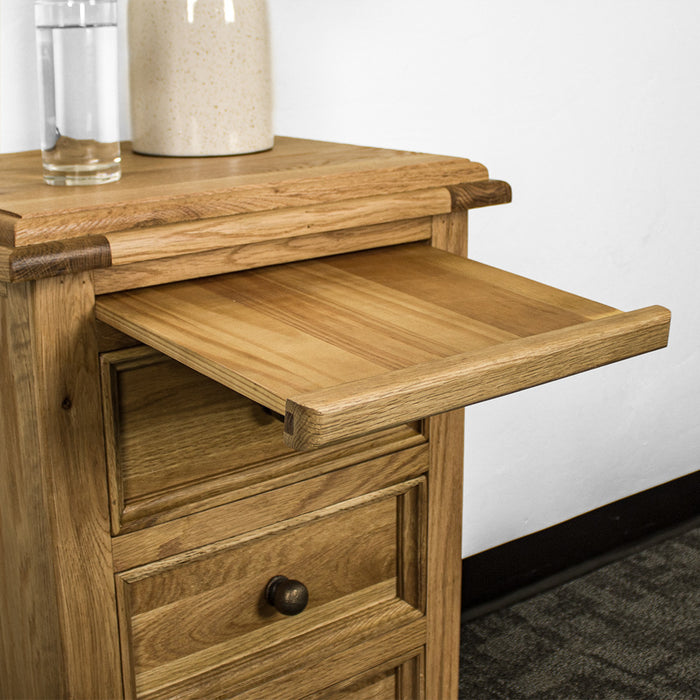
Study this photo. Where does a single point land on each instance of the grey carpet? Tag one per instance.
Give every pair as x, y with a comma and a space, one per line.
627, 631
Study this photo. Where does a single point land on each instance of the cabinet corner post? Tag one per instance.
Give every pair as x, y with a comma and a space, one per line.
450, 232
57, 585
446, 437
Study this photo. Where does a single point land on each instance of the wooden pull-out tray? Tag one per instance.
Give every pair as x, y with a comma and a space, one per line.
354, 343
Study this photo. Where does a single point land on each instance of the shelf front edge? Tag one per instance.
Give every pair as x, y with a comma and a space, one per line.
328, 415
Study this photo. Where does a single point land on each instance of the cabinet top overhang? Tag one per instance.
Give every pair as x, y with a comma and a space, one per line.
163, 207
159, 190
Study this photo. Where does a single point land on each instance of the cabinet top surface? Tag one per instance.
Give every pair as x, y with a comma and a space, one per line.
157, 190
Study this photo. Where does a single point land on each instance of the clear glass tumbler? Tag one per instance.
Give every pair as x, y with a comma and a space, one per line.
78, 89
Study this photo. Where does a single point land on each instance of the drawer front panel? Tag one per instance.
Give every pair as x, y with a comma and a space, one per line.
203, 614
178, 441
395, 680
176, 426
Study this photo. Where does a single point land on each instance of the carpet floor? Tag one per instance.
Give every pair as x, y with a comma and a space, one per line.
627, 631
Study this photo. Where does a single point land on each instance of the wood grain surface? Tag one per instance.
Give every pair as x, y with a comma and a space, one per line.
158, 191
291, 500
54, 259
326, 651
58, 635
336, 305
400, 677
183, 609
446, 476
187, 609
448, 383
472, 195
356, 342
137, 245
445, 433
167, 427
149, 273
179, 443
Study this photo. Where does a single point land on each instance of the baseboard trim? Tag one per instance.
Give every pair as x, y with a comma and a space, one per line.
520, 568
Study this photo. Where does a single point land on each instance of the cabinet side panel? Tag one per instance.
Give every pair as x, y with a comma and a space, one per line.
60, 454
30, 644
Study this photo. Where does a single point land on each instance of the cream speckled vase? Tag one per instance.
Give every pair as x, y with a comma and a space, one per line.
200, 77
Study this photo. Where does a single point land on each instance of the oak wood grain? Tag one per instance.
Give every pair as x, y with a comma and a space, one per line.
222, 600
165, 506
54, 259
350, 343
157, 191
346, 662
449, 383
450, 232
293, 500
400, 677
205, 494
168, 243
7, 229
5, 264
178, 443
375, 686
28, 605
186, 607
242, 257
62, 639
167, 427
471, 195
323, 651
444, 567
480, 292
170, 240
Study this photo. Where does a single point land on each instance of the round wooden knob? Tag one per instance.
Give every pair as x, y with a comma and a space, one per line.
286, 595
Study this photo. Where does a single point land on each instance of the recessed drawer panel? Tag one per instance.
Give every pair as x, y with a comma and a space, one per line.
399, 678
199, 625
178, 441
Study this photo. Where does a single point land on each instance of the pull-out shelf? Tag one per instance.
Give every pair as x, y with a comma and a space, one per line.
351, 344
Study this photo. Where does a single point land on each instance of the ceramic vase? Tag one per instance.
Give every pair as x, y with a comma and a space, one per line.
200, 81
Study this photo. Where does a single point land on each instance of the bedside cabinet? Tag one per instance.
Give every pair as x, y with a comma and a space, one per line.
232, 425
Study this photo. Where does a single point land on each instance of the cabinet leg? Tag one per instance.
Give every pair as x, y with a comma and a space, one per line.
446, 435
58, 632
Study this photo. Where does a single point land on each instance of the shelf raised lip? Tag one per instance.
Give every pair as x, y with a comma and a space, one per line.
329, 415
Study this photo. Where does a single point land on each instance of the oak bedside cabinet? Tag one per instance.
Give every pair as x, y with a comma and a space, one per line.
231, 426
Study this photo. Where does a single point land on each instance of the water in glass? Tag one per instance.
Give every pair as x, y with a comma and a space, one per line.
78, 72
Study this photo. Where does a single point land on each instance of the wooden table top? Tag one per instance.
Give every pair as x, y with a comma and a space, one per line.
157, 190
170, 207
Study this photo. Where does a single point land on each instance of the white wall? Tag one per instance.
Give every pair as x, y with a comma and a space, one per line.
591, 111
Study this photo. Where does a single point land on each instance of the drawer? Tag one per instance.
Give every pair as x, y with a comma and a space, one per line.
399, 679
351, 344
178, 441
198, 624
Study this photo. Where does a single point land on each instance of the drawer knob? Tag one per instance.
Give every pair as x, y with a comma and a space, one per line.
286, 595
